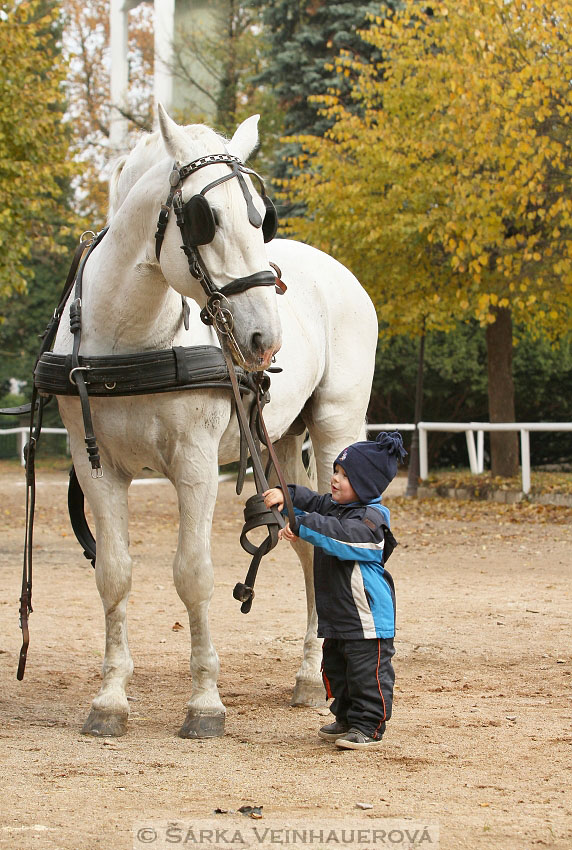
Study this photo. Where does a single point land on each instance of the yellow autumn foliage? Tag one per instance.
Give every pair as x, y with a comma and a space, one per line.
453, 178
34, 140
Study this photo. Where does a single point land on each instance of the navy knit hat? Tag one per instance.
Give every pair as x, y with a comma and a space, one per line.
372, 464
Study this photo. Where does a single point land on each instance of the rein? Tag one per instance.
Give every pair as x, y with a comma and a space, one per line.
37, 404
256, 513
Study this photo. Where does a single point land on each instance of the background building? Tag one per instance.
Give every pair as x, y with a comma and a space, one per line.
176, 24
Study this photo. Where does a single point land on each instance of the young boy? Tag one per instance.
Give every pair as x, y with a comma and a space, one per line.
355, 597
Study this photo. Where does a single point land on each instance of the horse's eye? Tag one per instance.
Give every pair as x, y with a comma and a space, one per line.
216, 218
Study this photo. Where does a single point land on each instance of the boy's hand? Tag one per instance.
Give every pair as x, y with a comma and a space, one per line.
286, 533
274, 497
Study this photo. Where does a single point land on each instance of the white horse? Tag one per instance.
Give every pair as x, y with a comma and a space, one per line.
322, 332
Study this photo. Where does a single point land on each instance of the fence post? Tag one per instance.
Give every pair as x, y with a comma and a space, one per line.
525, 459
423, 461
22, 440
472, 453
480, 451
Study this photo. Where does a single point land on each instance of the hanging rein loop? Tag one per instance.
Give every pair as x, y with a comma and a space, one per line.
256, 514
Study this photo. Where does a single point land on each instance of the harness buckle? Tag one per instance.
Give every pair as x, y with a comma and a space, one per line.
77, 369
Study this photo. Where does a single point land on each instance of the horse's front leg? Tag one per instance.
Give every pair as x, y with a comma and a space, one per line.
108, 501
194, 581
309, 688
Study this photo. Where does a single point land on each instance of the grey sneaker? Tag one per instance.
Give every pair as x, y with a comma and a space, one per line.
333, 730
354, 739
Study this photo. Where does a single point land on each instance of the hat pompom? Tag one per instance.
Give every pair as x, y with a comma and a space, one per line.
392, 443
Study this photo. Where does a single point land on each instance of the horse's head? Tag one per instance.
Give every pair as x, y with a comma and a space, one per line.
211, 205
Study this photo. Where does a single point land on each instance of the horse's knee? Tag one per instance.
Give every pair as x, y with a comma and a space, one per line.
113, 580
193, 577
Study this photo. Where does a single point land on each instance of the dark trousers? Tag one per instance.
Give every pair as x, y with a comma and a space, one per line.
360, 676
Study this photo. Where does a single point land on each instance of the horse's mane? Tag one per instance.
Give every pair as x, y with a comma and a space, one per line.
149, 150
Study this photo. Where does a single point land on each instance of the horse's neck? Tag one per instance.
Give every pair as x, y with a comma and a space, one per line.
127, 304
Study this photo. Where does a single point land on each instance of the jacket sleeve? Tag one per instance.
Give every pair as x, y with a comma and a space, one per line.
349, 539
305, 500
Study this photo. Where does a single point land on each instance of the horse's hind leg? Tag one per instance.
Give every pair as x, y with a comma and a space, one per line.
108, 501
309, 688
194, 581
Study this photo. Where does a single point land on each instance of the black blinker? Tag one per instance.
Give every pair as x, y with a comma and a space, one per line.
199, 221
270, 223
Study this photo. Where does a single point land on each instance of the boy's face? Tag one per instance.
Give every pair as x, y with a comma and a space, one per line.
342, 491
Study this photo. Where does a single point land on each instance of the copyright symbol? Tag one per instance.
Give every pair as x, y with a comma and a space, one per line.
146, 835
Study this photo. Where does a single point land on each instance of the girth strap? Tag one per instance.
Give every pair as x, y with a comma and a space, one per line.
177, 368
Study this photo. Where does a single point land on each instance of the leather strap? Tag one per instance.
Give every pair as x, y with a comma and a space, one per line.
255, 511
173, 369
76, 509
26, 594
256, 514
272, 454
77, 372
37, 404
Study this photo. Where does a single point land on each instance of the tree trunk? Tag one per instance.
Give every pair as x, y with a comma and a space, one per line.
413, 474
504, 444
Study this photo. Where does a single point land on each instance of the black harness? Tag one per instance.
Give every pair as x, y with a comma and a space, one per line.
197, 221
172, 370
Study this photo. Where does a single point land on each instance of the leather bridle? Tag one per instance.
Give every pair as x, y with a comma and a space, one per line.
217, 311
174, 200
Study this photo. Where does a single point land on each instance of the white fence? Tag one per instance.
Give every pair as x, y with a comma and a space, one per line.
23, 437
476, 453
476, 456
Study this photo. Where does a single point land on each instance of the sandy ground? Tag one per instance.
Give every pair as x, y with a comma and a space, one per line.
480, 743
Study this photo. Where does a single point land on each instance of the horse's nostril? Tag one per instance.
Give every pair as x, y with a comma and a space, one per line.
257, 343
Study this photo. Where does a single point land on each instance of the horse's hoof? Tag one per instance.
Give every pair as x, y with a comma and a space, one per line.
308, 693
198, 725
102, 724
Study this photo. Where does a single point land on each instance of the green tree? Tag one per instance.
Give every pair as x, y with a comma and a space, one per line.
303, 40
455, 388
448, 191
86, 27
230, 55
34, 138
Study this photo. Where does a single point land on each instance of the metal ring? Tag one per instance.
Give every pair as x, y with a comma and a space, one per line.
88, 233
77, 369
110, 386
224, 321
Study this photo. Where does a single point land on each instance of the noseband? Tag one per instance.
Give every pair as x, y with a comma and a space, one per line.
197, 223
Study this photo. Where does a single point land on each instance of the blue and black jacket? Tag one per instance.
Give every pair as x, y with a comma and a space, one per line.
353, 597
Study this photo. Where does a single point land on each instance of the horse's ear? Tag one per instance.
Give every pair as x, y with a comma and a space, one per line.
175, 139
245, 138
114, 184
